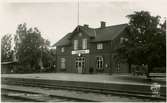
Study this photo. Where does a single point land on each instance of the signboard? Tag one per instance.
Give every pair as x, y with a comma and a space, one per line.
80, 52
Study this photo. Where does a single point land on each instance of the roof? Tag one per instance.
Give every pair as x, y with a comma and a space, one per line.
99, 34
64, 40
9, 62
109, 33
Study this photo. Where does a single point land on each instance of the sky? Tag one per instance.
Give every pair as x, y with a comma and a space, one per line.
57, 18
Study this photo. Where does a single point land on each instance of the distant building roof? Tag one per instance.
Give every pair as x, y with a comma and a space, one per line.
9, 62
99, 34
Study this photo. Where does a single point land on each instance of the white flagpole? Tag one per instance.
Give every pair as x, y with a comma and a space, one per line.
78, 13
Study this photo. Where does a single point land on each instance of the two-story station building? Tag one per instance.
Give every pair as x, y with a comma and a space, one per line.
88, 50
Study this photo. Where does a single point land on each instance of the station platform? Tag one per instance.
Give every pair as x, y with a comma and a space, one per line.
99, 78
126, 83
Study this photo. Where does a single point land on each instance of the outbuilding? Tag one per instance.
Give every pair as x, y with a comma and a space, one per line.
8, 67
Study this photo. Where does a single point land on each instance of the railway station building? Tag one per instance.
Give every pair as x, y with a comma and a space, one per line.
91, 50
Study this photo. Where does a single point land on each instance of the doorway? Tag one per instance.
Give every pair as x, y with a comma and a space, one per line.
80, 64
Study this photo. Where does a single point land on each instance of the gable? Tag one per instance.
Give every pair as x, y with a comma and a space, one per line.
85, 30
66, 39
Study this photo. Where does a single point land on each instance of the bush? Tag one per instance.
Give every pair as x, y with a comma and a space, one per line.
21, 69
159, 70
26, 69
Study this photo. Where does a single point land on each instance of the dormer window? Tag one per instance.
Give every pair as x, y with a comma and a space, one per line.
99, 46
62, 49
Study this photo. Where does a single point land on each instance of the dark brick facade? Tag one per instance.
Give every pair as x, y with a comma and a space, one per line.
90, 62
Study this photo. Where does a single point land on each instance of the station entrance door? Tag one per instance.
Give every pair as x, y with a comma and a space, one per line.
80, 64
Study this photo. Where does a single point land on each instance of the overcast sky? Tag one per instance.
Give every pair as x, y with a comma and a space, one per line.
56, 19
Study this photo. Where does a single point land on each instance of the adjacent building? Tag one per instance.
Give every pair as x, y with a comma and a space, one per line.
91, 50
8, 67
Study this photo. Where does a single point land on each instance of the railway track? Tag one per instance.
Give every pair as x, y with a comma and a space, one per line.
35, 83
37, 97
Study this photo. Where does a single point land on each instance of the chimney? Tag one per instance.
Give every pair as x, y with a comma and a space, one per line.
86, 25
103, 24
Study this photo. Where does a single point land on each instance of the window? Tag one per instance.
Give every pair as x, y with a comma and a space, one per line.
63, 66
80, 34
99, 46
62, 49
121, 40
126, 39
80, 62
118, 67
99, 62
75, 44
84, 43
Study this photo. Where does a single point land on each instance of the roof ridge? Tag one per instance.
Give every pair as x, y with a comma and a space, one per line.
112, 26
100, 34
104, 27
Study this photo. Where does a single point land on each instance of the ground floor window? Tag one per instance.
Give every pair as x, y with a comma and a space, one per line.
63, 65
118, 67
99, 62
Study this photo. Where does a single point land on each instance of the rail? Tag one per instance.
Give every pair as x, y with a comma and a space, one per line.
51, 85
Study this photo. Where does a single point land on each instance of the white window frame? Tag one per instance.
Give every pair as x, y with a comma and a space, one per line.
80, 60
62, 49
99, 62
84, 43
99, 46
80, 34
118, 67
75, 44
62, 63
111, 43
121, 40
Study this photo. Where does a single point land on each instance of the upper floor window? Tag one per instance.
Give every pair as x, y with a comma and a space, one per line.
99, 46
126, 39
84, 43
80, 34
121, 40
62, 49
75, 44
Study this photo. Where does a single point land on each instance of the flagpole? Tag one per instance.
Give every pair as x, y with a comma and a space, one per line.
78, 14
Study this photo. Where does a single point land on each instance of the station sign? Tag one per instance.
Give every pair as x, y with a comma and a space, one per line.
80, 52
